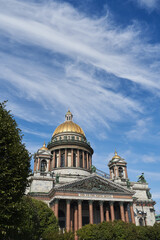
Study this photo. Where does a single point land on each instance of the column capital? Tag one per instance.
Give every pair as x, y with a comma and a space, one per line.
131, 204
56, 200
101, 202
68, 200
111, 203
80, 201
121, 203
90, 201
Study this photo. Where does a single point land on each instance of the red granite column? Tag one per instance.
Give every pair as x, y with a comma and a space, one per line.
83, 159
90, 162
77, 157
126, 172
101, 211
68, 217
112, 211
56, 208
38, 164
71, 157
107, 214
79, 214
122, 211
59, 161
75, 221
75, 218
87, 161
54, 155
66, 157
49, 165
72, 218
126, 215
91, 212
35, 165
132, 213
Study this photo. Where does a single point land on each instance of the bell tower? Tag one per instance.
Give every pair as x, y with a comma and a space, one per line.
118, 168
68, 116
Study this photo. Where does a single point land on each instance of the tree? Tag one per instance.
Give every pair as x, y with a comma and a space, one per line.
118, 230
14, 170
37, 219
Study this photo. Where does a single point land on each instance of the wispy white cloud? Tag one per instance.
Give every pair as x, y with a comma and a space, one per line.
140, 129
60, 28
36, 133
148, 4
84, 45
156, 195
154, 176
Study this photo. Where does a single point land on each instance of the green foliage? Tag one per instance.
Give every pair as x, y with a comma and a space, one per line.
37, 219
52, 235
118, 230
14, 171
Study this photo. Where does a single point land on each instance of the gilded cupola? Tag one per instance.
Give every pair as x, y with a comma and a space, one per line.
68, 126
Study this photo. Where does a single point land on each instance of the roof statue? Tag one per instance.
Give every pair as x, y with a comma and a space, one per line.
141, 178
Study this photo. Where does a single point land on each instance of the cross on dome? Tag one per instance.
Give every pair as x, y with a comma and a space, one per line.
68, 116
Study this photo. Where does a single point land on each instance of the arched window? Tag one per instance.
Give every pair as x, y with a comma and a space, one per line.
43, 165
120, 170
62, 160
81, 160
74, 160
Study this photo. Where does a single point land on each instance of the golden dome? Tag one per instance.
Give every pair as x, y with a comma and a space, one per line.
116, 155
68, 126
44, 147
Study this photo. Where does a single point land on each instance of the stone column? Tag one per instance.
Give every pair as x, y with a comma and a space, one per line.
126, 172
35, 165
72, 219
56, 208
90, 162
79, 214
65, 157
132, 213
126, 214
68, 217
49, 165
112, 211
39, 164
54, 155
83, 159
87, 161
71, 157
91, 212
75, 221
75, 218
122, 211
53, 208
59, 161
107, 214
77, 157
101, 211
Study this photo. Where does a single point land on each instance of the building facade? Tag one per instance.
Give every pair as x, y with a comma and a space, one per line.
77, 192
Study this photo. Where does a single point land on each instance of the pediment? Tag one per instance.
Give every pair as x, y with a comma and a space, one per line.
94, 184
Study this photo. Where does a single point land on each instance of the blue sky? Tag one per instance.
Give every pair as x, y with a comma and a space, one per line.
101, 59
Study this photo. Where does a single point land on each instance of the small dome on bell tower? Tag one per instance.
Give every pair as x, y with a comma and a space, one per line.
118, 168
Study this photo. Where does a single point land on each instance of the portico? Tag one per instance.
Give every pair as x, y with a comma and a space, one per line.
92, 200
73, 214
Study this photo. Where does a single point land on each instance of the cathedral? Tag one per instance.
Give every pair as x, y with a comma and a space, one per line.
77, 192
